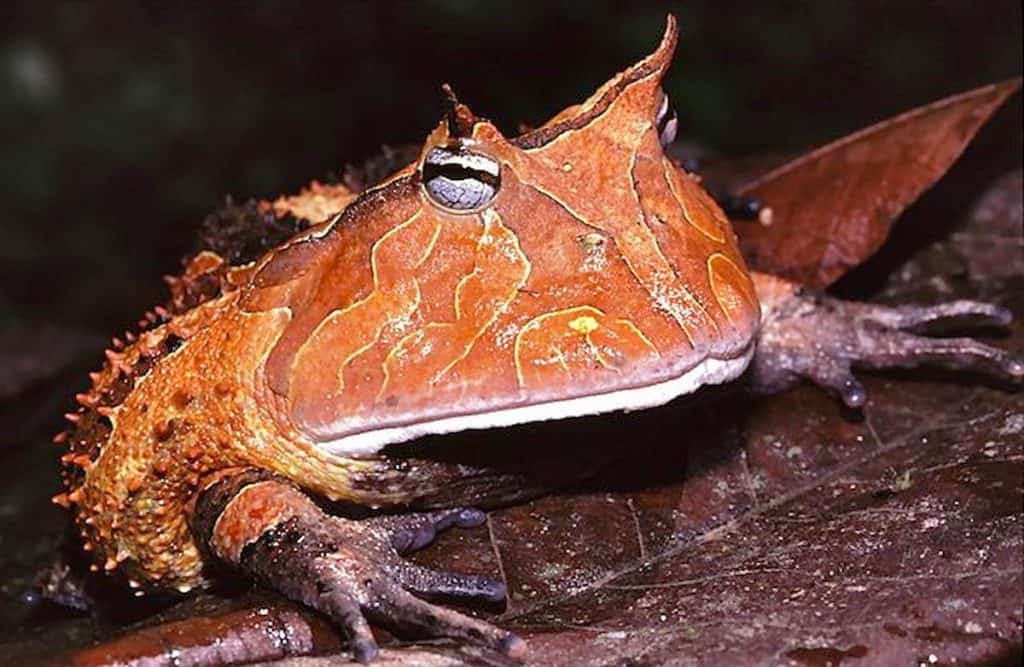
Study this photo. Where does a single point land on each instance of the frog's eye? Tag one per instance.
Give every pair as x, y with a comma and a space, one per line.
460, 180
666, 121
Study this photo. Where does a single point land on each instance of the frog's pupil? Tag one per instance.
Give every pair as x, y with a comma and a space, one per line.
460, 180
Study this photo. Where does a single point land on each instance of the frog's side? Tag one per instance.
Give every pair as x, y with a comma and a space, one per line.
572, 270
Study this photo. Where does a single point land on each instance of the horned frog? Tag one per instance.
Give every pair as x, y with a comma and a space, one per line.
572, 270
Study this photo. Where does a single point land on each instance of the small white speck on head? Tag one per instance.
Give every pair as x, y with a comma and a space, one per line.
507, 335
595, 252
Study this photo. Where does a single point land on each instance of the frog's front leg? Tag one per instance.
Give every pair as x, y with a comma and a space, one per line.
352, 571
807, 335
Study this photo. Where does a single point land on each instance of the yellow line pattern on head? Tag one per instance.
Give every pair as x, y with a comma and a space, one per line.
345, 334
500, 271
731, 288
671, 174
556, 336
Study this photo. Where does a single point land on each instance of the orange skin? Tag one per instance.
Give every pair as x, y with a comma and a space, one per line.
599, 266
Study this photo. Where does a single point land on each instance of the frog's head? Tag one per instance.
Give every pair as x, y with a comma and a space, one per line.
571, 270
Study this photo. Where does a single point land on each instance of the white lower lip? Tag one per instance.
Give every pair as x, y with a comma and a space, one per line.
709, 371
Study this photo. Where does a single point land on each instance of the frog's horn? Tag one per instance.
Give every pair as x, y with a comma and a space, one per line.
646, 74
458, 116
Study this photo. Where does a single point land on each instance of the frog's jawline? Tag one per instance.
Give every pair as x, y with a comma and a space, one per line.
709, 371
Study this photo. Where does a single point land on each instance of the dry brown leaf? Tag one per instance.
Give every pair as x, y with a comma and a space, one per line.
833, 207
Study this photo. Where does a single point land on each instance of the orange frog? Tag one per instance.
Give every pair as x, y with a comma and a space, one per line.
572, 270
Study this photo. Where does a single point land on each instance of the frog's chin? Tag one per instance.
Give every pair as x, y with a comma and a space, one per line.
710, 371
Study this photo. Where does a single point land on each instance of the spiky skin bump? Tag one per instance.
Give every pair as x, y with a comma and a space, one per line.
192, 413
145, 454
146, 477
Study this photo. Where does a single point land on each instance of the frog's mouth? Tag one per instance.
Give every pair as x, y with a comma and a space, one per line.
710, 371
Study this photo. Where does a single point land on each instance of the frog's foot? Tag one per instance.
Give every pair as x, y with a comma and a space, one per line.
352, 571
807, 335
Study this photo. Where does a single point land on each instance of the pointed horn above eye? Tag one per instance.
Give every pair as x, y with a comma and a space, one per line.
648, 72
659, 60
458, 116
662, 56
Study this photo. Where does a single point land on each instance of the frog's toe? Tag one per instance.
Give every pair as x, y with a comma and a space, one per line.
433, 583
892, 349
415, 531
834, 375
344, 611
351, 589
890, 337
960, 313
396, 606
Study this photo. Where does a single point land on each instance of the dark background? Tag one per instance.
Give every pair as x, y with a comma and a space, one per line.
124, 123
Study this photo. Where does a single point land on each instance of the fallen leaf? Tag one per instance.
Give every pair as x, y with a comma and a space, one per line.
832, 208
